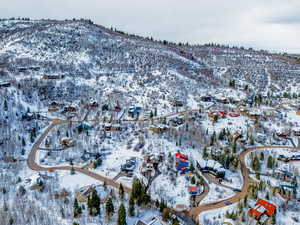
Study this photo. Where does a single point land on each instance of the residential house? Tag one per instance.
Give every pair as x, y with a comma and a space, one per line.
213, 167
193, 190
5, 84
262, 210
69, 109
112, 128
94, 104
182, 164
9, 159
177, 103
234, 114
84, 193
288, 191
153, 221
207, 98
30, 116
84, 127
118, 108
283, 174
159, 129
67, 143
53, 107
135, 111
177, 121
53, 77
88, 155
23, 69
129, 166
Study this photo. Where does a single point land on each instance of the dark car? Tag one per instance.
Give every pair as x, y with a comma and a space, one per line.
227, 203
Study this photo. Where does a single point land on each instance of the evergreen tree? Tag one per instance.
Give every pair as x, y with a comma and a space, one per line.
109, 208
273, 221
215, 118
192, 168
193, 181
136, 188
144, 198
97, 163
213, 138
121, 192
23, 142
243, 217
262, 156
131, 206
122, 215
255, 164
222, 134
295, 182
162, 205
267, 196
94, 204
251, 140
175, 222
151, 114
157, 203
5, 106
76, 209
165, 214
234, 148
270, 163
205, 154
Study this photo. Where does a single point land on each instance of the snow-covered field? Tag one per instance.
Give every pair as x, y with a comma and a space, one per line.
217, 193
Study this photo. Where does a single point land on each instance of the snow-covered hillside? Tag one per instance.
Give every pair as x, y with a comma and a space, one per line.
131, 100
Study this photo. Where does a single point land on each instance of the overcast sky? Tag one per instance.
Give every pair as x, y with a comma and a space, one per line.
262, 24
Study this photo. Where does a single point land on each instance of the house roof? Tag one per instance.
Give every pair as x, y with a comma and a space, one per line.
180, 155
9, 159
254, 213
269, 207
193, 188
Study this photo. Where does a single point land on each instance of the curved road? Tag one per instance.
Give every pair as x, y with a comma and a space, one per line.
31, 161
194, 212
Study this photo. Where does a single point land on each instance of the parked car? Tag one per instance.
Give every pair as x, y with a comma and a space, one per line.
236, 190
227, 203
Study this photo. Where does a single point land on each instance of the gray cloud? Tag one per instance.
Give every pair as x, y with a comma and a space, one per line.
292, 18
256, 23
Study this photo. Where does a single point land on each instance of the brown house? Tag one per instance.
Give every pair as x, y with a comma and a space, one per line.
67, 143
9, 159
70, 109
53, 107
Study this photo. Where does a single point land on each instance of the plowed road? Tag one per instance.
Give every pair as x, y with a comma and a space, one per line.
194, 212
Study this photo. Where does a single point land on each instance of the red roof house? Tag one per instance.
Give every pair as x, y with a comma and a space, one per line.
194, 190
223, 113
234, 114
181, 156
262, 207
118, 108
